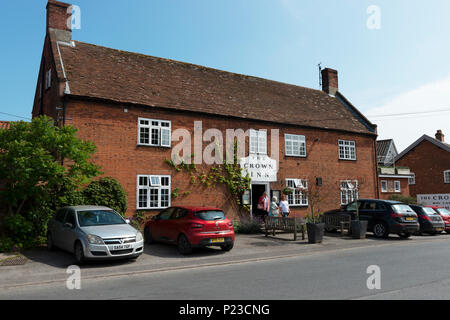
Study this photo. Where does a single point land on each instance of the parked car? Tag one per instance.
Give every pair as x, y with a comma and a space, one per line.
94, 232
430, 221
191, 227
445, 215
384, 216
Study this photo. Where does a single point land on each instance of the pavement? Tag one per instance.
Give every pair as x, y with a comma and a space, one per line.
44, 267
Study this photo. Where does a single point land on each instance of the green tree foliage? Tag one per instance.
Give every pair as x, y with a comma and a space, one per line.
106, 192
41, 168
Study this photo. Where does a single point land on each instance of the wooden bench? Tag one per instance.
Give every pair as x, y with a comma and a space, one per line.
294, 225
340, 222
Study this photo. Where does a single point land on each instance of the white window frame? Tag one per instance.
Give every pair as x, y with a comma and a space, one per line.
385, 188
151, 187
163, 127
297, 198
295, 139
348, 191
347, 146
397, 184
412, 179
258, 141
447, 176
48, 79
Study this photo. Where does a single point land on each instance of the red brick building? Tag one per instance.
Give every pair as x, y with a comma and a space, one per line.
131, 106
392, 180
429, 160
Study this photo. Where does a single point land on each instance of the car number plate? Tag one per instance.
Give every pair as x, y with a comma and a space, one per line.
409, 219
217, 240
438, 229
121, 246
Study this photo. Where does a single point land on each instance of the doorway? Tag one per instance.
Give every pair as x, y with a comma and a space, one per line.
257, 191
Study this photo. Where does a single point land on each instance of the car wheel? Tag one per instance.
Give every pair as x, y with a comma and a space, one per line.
404, 235
380, 230
50, 245
148, 238
184, 246
227, 247
79, 253
448, 231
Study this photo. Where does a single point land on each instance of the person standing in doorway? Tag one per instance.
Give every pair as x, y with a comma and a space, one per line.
263, 206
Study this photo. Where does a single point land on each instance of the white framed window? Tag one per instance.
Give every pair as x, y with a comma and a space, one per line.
48, 79
397, 186
347, 150
298, 197
258, 141
154, 132
384, 186
153, 192
349, 191
447, 176
295, 145
412, 179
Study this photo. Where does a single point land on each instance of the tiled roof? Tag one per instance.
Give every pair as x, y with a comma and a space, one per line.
124, 77
383, 148
440, 144
4, 124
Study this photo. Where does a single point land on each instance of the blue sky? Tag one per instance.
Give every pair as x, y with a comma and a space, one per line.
381, 71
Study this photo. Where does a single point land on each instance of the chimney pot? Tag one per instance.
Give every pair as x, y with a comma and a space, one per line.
330, 81
440, 136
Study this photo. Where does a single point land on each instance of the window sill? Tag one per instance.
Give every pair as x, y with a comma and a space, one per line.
152, 146
347, 159
294, 156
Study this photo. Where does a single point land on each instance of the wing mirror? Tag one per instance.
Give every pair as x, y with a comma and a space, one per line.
127, 221
68, 225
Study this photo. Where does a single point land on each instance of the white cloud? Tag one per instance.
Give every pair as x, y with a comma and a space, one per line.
405, 129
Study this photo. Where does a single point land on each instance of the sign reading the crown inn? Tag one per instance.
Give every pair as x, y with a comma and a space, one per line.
439, 200
260, 168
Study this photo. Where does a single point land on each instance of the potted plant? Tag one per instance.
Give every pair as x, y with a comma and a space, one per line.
358, 228
314, 225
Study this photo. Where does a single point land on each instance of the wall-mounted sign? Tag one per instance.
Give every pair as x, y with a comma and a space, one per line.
439, 200
247, 198
260, 168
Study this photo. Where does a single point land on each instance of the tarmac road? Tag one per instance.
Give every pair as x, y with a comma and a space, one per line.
408, 270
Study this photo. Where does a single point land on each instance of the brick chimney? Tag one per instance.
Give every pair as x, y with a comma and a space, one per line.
59, 19
330, 81
440, 136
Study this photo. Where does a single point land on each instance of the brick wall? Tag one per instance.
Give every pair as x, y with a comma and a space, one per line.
428, 162
115, 134
404, 187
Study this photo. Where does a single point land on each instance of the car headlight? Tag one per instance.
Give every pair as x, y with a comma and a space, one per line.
139, 237
93, 239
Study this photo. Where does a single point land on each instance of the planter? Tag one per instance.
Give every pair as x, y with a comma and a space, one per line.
387, 170
359, 229
403, 171
315, 232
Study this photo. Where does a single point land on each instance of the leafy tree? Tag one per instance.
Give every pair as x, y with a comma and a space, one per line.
106, 192
41, 168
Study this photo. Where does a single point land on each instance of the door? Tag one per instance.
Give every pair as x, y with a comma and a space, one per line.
56, 227
68, 231
257, 192
159, 228
176, 224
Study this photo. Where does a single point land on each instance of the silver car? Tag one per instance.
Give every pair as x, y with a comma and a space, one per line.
93, 232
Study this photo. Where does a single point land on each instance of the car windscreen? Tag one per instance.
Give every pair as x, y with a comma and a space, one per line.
99, 218
429, 211
443, 211
210, 215
402, 208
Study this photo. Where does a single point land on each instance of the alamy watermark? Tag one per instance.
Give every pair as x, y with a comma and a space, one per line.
74, 20
374, 20
374, 280
74, 280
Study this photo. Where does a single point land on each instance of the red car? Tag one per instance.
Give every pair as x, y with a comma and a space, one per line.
445, 214
191, 227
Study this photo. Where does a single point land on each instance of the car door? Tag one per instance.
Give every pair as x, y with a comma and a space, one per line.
367, 210
68, 231
56, 226
176, 223
160, 225
350, 209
